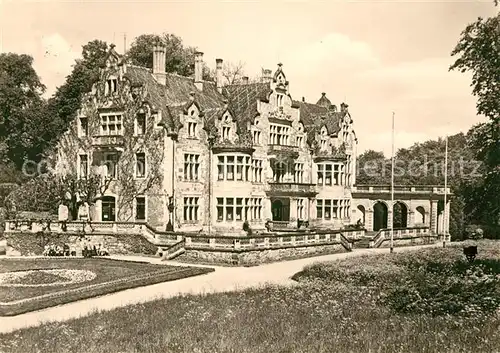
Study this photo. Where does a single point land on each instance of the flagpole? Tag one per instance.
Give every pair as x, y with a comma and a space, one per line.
445, 214
392, 187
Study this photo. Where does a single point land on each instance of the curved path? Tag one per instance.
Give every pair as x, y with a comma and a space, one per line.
222, 280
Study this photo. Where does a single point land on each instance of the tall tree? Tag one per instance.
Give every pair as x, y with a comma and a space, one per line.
67, 99
478, 52
179, 58
23, 122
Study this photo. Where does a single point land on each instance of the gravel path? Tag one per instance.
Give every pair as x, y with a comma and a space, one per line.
223, 279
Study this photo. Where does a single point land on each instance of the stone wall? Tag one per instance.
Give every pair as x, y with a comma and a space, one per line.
29, 244
422, 240
255, 257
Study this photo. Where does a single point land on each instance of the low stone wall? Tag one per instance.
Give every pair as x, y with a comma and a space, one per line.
258, 256
29, 244
422, 240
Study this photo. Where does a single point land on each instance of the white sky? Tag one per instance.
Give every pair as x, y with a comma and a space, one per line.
378, 56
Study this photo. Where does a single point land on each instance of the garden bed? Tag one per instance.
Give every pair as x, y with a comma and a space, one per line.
32, 284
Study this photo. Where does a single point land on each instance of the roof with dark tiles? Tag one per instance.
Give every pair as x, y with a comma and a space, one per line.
173, 97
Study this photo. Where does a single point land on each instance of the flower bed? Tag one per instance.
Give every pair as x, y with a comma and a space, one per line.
32, 284
45, 278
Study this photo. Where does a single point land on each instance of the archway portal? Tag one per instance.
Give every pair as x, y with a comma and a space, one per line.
281, 209
362, 213
420, 216
379, 216
400, 215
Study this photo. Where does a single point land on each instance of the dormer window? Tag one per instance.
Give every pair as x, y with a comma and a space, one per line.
141, 124
191, 129
280, 100
256, 137
324, 139
111, 86
226, 130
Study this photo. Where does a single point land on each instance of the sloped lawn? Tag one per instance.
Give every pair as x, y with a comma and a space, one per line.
425, 301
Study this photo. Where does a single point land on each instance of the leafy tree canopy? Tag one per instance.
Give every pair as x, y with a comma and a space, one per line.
478, 52
179, 58
22, 109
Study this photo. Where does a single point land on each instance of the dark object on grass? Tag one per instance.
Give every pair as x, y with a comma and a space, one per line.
470, 253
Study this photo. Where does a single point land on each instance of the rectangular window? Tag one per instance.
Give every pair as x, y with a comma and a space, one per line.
336, 175
256, 137
111, 162
239, 209
321, 173
300, 208
328, 174
257, 170
239, 168
84, 127
84, 166
230, 168
319, 209
229, 209
111, 86
300, 141
299, 172
140, 208
111, 125
192, 129
220, 209
220, 168
191, 167
328, 209
335, 209
279, 135
191, 209
141, 124
225, 132
140, 165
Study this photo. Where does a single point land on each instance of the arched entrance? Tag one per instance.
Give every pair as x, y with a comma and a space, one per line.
379, 216
419, 216
277, 209
400, 215
362, 214
108, 206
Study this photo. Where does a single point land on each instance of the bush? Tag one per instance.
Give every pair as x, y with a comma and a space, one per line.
247, 228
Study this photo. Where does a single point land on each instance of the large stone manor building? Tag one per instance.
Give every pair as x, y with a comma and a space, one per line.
186, 154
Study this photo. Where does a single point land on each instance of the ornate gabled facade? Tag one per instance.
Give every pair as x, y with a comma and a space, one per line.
192, 155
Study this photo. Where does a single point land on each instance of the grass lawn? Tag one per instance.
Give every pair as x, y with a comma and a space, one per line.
425, 301
93, 277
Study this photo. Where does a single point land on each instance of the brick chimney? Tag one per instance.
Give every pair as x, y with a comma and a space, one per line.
198, 70
267, 75
159, 57
244, 80
218, 74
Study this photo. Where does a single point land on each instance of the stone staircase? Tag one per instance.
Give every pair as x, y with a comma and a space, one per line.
364, 242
